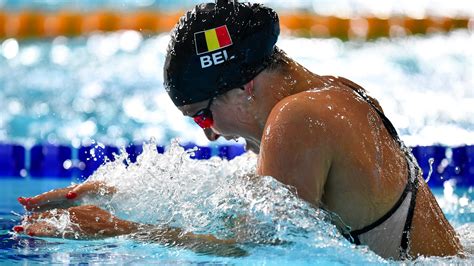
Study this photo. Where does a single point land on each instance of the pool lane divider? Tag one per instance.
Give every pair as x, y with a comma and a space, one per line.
12, 160
61, 161
448, 163
39, 24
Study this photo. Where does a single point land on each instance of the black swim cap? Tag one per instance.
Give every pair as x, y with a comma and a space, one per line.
217, 47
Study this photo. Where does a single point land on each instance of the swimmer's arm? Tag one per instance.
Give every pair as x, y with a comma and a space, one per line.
64, 198
92, 222
200, 243
296, 148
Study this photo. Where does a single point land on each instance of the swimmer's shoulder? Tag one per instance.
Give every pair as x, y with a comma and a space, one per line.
342, 91
304, 115
326, 114
302, 104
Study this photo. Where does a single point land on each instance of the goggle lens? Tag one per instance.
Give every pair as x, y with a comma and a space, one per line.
204, 118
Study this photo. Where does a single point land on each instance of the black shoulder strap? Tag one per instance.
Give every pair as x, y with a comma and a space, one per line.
359, 90
412, 185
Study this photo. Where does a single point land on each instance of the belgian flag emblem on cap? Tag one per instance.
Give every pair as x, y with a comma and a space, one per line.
211, 40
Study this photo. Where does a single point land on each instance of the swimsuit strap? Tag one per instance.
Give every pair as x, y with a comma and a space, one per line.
408, 188
387, 123
411, 212
359, 90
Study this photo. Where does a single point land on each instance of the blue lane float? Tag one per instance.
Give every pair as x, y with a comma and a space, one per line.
92, 157
229, 152
446, 163
59, 161
461, 165
431, 159
50, 160
134, 150
198, 152
12, 160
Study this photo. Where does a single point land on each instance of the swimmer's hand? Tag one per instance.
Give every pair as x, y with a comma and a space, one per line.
91, 222
81, 222
65, 197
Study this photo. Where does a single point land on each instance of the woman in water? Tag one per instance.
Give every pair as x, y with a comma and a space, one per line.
322, 135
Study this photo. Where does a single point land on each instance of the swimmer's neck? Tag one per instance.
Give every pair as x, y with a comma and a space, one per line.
289, 79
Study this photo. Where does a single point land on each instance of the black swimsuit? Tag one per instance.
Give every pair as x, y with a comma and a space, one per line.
412, 184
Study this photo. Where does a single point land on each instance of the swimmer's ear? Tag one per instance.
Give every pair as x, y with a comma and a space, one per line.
249, 89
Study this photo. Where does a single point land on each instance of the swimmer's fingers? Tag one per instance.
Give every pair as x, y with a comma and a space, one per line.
95, 188
40, 224
42, 229
80, 222
39, 216
65, 197
36, 216
48, 229
37, 229
48, 200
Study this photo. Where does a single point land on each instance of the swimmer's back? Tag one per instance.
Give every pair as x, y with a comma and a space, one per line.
368, 170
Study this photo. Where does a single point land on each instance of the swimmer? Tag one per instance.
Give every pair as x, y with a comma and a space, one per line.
322, 135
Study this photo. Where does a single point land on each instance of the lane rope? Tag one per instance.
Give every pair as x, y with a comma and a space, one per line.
36, 24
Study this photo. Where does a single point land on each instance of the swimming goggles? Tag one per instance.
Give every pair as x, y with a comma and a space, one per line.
204, 117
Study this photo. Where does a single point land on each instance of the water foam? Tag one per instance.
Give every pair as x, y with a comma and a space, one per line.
225, 199
218, 197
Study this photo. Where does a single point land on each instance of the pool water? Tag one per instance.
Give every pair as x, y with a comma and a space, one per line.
108, 87
199, 196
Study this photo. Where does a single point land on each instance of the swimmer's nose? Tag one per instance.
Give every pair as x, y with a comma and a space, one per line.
210, 134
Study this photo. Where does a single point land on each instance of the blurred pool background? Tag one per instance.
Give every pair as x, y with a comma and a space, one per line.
79, 73
107, 86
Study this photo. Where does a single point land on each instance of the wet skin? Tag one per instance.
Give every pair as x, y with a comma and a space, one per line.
317, 135
313, 133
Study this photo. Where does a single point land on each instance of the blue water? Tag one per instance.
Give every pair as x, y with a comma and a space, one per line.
21, 249
172, 189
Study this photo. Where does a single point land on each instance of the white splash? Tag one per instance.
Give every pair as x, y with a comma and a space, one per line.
215, 196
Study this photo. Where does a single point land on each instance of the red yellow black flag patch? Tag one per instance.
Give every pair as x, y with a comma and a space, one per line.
211, 40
